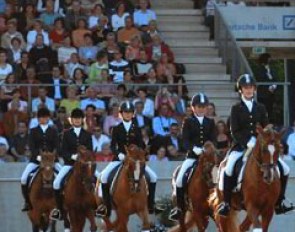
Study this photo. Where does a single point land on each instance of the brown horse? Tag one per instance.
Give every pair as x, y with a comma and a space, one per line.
79, 197
130, 192
260, 186
42, 194
198, 192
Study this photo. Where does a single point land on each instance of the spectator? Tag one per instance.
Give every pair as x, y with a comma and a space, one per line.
57, 88
49, 15
14, 52
142, 121
17, 101
173, 154
43, 4
98, 139
26, 18
118, 19
87, 5
163, 121
4, 156
211, 112
133, 49
95, 16
70, 102
88, 51
141, 66
32, 35
266, 93
117, 67
21, 67
149, 105
165, 67
163, 96
160, 155
20, 143
113, 119
156, 48
125, 34
143, 16
61, 122
97, 67
151, 31
79, 82
129, 83
105, 90
120, 95
11, 33
92, 99
99, 34
6, 91
12, 117
174, 138
105, 25
58, 34
79, 33
30, 79
290, 142
74, 15
111, 45
5, 68
209, 17
72, 65
106, 154
65, 50
152, 83
43, 99
92, 118
222, 138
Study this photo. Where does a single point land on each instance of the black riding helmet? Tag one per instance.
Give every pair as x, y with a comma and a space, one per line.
43, 113
245, 80
199, 99
126, 106
77, 113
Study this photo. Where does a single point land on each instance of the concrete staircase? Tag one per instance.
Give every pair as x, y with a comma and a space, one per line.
182, 28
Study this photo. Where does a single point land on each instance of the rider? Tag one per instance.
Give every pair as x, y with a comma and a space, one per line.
124, 134
72, 139
197, 129
244, 117
41, 138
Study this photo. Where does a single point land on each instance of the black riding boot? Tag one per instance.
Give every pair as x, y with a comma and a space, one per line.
25, 192
176, 212
281, 206
224, 207
151, 200
57, 214
105, 209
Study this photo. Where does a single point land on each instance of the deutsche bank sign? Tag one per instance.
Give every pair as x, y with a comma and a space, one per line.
260, 22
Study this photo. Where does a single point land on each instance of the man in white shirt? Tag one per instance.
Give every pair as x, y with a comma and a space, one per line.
143, 16
64, 52
92, 99
149, 105
42, 99
98, 139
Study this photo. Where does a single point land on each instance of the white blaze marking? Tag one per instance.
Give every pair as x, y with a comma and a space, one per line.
137, 170
271, 149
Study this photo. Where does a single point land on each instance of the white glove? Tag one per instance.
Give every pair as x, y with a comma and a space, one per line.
251, 143
272, 88
74, 157
121, 156
39, 158
198, 150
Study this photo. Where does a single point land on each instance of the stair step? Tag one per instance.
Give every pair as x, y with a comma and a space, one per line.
214, 88
189, 43
171, 35
173, 5
181, 18
175, 12
206, 77
194, 51
198, 60
204, 68
181, 27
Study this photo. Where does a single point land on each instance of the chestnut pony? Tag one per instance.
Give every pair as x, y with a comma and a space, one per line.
130, 192
42, 194
198, 190
79, 197
260, 186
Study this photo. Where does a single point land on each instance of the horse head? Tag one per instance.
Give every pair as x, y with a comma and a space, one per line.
267, 151
135, 164
85, 167
47, 167
207, 161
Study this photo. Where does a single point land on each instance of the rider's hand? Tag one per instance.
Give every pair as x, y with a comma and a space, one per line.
121, 156
74, 157
39, 158
198, 150
251, 143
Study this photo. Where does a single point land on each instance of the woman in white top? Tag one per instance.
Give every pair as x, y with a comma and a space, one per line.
5, 68
118, 19
95, 16
37, 29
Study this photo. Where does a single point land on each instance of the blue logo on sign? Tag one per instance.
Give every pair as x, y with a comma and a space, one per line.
289, 22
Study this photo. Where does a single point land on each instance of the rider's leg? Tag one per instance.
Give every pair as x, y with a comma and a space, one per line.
229, 182
57, 214
24, 179
281, 206
105, 210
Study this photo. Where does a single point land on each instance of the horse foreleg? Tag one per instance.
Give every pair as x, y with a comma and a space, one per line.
245, 226
200, 220
253, 215
122, 221
77, 220
266, 218
91, 218
144, 216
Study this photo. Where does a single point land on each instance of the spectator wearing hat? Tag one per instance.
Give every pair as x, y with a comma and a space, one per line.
149, 105
143, 16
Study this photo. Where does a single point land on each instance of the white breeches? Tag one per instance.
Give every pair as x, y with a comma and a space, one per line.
184, 167
153, 176
29, 168
231, 161
108, 169
286, 168
62, 173
57, 166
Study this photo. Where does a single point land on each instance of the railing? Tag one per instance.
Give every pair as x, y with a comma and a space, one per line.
229, 50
